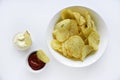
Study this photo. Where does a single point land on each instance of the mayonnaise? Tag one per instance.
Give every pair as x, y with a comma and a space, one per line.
22, 40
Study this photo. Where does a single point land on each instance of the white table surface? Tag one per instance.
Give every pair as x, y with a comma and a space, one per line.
34, 15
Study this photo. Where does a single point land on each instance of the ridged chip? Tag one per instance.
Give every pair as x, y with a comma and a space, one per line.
73, 46
93, 40
61, 34
80, 19
86, 50
56, 45
66, 14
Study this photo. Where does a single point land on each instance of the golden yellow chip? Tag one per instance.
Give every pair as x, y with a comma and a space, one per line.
73, 28
65, 51
93, 25
61, 35
42, 56
90, 22
93, 40
56, 45
63, 24
82, 11
82, 35
86, 50
66, 14
86, 30
80, 19
88, 18
73, 46
65, 27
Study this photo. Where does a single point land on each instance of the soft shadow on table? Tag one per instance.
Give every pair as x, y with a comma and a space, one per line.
65, 71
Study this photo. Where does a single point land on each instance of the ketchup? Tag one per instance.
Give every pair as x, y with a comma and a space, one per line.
34, 62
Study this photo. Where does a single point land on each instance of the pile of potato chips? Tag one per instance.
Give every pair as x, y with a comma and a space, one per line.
75, 35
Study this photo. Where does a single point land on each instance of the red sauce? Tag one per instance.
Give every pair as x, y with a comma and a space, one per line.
34, 62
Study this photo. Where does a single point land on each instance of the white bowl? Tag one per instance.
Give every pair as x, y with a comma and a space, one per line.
101, 28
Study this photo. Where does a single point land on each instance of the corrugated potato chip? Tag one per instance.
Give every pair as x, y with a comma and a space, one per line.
63, 24
93, 40
66, 14
80, 19
86, 50
90, 22
61, 34
73, 46
86, 30
73, 28
56, 45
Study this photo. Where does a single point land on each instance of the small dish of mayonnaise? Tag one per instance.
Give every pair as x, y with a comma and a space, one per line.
22, 41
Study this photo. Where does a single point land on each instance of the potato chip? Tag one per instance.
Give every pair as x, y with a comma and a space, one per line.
88, 18
56, 45
65, 51
86, 30
86, 41
82, 11
90, 22
93, 40
73, 46
61, 35
86, 50
66, 14
82, 35
63, 24
93, 25
42, 56
73, 28
65, 28
80, 19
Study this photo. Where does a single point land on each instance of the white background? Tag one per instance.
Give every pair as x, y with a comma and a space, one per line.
34, 15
